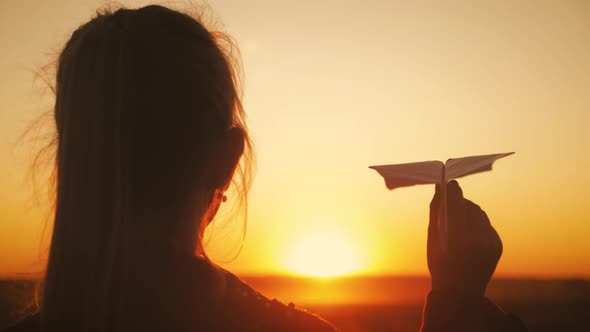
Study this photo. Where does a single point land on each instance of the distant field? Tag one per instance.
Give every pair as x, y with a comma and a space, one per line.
391, 304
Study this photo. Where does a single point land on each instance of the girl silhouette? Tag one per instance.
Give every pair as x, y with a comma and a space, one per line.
150, 134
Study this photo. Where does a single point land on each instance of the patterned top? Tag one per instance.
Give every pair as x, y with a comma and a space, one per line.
248, 310
232, 306
237, 307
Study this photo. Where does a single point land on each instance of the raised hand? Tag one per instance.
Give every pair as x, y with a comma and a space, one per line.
474, 247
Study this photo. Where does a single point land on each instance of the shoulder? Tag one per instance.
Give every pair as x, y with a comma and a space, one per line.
244, 305
30, 323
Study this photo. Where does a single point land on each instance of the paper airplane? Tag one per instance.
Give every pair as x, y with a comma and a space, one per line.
436, 172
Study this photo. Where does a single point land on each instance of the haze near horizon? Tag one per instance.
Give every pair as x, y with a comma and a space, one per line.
332, 87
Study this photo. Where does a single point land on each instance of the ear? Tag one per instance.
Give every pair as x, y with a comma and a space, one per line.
226, 156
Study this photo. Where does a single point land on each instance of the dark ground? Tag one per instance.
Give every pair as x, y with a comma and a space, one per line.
539, 317
548, 305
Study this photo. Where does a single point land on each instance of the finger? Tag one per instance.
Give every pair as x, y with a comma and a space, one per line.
488, 241
433, 220
434, 202
493, 236
455, 202
498, 247
474, 214
476, 227
454, 192
455, 214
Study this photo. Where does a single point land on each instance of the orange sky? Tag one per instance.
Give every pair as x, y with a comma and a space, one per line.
332, 87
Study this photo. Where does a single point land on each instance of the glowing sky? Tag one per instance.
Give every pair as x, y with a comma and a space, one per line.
332, 87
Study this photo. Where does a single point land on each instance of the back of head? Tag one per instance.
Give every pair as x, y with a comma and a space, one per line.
141, 98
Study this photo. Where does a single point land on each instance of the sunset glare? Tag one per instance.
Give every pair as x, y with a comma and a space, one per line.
324, 254
332, 87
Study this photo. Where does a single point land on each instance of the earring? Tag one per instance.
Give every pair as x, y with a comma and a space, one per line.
221, 196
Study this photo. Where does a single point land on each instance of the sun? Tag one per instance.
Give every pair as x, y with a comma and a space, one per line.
324, 254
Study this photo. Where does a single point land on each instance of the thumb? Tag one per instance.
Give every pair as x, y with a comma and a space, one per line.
433, 221
434, 202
